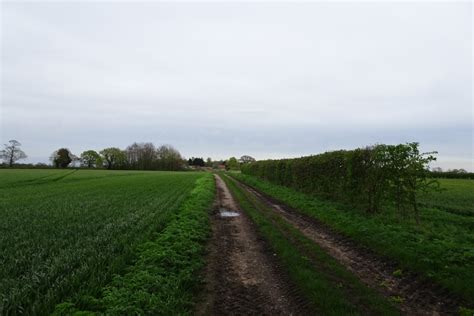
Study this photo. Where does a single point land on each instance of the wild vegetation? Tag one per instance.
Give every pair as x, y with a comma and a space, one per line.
66, 233
131, 242
440, 247
325, 283
365, 177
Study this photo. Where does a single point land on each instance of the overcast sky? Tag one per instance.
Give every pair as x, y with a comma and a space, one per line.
220, 80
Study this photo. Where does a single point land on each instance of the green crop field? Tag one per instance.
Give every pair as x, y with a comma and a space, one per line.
456, 196
133, 242
65, 234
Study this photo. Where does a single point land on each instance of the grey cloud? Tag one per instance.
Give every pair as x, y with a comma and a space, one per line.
263, 79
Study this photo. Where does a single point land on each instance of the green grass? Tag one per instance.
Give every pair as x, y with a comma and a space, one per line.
441, 248
64, 234
326, 284
457, 196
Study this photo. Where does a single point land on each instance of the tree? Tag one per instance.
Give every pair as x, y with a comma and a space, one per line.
169, 158
232, 164
113, 157
12, 152
458, 171
407, 172
61, 158
141, 156
247, 159
132, 153
208, 162
196, 162
90, 158
417, 179
148, 156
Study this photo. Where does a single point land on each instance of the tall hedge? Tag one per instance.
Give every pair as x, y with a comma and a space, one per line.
367, 177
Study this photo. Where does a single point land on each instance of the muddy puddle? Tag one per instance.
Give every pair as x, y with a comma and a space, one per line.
242, 276
228, 213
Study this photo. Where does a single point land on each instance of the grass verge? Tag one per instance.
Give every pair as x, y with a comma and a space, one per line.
326, 284
163, 279
440, 248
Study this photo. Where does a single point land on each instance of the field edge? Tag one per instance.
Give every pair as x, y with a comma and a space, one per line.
162, 281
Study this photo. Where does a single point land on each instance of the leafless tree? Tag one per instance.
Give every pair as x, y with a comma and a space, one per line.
12, 152
141, 156
169, 158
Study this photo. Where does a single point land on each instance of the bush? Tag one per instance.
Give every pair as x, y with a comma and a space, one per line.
365, 177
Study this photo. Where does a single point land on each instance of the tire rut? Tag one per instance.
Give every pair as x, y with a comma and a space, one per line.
415, 295
243, 276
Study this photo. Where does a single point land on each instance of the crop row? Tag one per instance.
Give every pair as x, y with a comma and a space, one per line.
163, 279
65, 235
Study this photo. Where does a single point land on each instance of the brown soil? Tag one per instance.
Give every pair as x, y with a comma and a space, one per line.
416, 296
243, 276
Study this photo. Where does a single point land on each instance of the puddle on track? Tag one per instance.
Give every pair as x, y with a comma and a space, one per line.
225, 213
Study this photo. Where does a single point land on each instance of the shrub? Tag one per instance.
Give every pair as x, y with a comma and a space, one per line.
365, 177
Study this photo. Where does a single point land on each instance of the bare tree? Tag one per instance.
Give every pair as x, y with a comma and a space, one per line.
132, 153
148, 156
169, 158
141, 156
12, 152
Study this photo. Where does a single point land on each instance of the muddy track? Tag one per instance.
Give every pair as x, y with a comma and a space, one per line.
243, 276
416, 296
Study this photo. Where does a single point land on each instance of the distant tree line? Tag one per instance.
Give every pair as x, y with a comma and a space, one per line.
137, 156
198, 162
451, 174
368, 177
230, 164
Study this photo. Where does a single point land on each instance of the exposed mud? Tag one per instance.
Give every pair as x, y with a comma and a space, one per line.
414, 295
243, 276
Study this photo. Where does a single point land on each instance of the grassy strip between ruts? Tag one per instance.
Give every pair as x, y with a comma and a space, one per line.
163, 279
440, 248
330, 288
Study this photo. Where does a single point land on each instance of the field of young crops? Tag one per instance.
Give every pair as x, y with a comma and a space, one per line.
64, 234
456, 196
132, 242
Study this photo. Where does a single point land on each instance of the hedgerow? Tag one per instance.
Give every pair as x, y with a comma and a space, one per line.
365, 177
